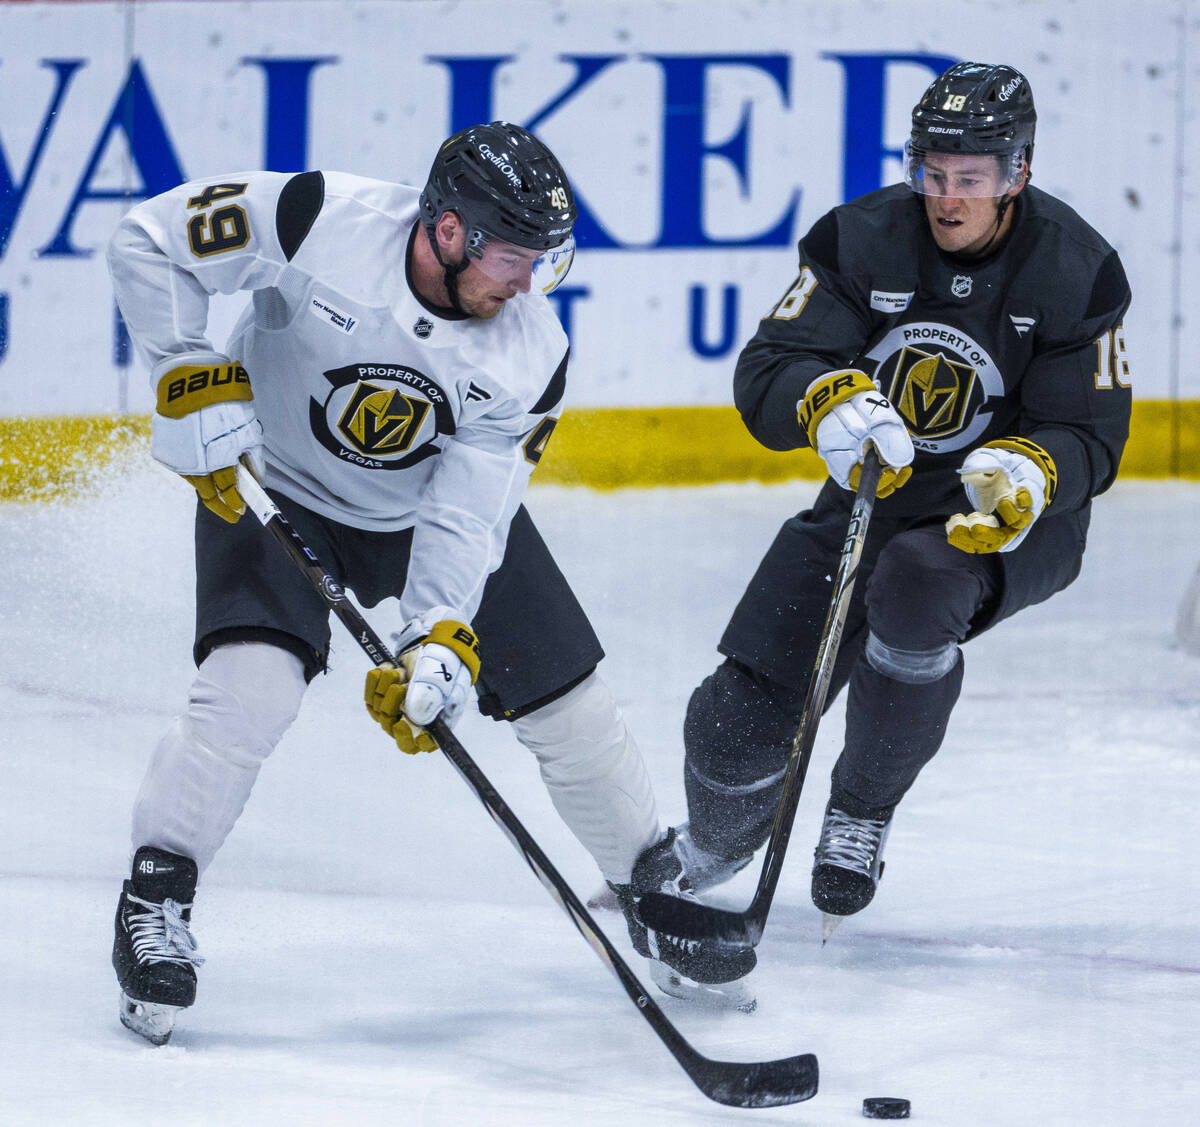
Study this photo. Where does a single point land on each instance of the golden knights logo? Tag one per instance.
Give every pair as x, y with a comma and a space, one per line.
934, 390
940, 380
382, 420
381, 416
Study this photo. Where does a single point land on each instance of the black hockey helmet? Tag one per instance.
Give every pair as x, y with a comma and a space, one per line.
973, 108
505, 185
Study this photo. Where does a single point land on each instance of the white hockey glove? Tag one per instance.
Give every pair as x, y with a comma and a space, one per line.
843, 411
434, 678
204, 422
1009, 482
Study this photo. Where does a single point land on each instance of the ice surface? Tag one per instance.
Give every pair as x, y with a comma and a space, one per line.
379, 954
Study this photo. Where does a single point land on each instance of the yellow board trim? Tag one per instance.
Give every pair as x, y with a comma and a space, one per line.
58, 457
602, 447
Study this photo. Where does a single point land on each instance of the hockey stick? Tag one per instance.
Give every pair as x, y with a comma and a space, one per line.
690, 918
749, 1084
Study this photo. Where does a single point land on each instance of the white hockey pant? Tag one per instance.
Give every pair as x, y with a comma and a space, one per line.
595, 775
243, 699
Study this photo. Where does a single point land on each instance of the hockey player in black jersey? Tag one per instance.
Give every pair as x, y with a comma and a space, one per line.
968, 325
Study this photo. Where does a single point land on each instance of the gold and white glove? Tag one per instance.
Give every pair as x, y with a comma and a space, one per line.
843, 411
434, 678
1009, 482
204, 422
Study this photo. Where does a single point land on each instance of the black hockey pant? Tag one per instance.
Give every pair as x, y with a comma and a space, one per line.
915, 599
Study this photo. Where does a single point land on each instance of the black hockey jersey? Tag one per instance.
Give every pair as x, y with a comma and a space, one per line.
1027, 341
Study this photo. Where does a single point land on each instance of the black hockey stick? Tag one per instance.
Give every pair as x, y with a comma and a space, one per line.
749, 1084
690, 918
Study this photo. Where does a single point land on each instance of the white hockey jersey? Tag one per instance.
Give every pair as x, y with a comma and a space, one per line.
378, 410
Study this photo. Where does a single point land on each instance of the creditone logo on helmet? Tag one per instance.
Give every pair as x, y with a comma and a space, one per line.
381, 416
1009, 89
940, 381
509, 173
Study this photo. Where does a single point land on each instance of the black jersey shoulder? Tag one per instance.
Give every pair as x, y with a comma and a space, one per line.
1064, 264
878, 230
1054, 218
870, 242
299, 203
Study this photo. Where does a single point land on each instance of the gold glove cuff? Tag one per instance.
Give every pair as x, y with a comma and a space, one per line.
189, 387
826, 393
460, 639
1035, 454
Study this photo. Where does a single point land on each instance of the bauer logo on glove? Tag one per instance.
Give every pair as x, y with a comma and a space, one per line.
1009, 482
204, 423
843, 411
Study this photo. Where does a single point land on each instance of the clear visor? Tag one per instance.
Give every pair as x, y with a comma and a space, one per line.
961, 175
520, 268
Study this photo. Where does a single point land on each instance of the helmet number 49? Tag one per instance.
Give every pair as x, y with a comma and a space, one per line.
558, 198
954, 102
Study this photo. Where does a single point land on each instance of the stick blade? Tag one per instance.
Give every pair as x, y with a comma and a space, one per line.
771, 1083
693, 920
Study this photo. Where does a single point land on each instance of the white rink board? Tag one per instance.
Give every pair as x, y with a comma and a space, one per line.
693, 131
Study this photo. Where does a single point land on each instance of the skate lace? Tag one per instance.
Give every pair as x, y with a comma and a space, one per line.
160, 934
660, 943
850, 843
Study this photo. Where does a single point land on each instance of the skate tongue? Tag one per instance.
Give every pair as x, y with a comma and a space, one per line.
159, 875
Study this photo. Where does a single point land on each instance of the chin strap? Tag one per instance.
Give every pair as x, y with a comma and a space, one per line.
450, 272
1005, 203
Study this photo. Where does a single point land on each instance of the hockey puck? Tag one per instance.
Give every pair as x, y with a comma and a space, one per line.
886, 1107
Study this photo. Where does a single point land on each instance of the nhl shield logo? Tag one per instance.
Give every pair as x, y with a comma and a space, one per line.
423, 328
961, 286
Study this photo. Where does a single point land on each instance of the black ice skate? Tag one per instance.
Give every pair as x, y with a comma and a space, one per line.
154, 953
704, 870
848, 862
695, 969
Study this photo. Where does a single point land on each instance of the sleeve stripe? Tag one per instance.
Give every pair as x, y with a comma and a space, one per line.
555, 389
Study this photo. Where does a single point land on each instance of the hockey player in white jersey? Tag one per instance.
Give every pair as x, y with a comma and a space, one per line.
394, 380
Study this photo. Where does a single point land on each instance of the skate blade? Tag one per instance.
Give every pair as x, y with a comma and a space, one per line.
829, 924
151, 1020
735, 995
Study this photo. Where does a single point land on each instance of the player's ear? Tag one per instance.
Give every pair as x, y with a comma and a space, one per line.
1022, 180
451, 235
